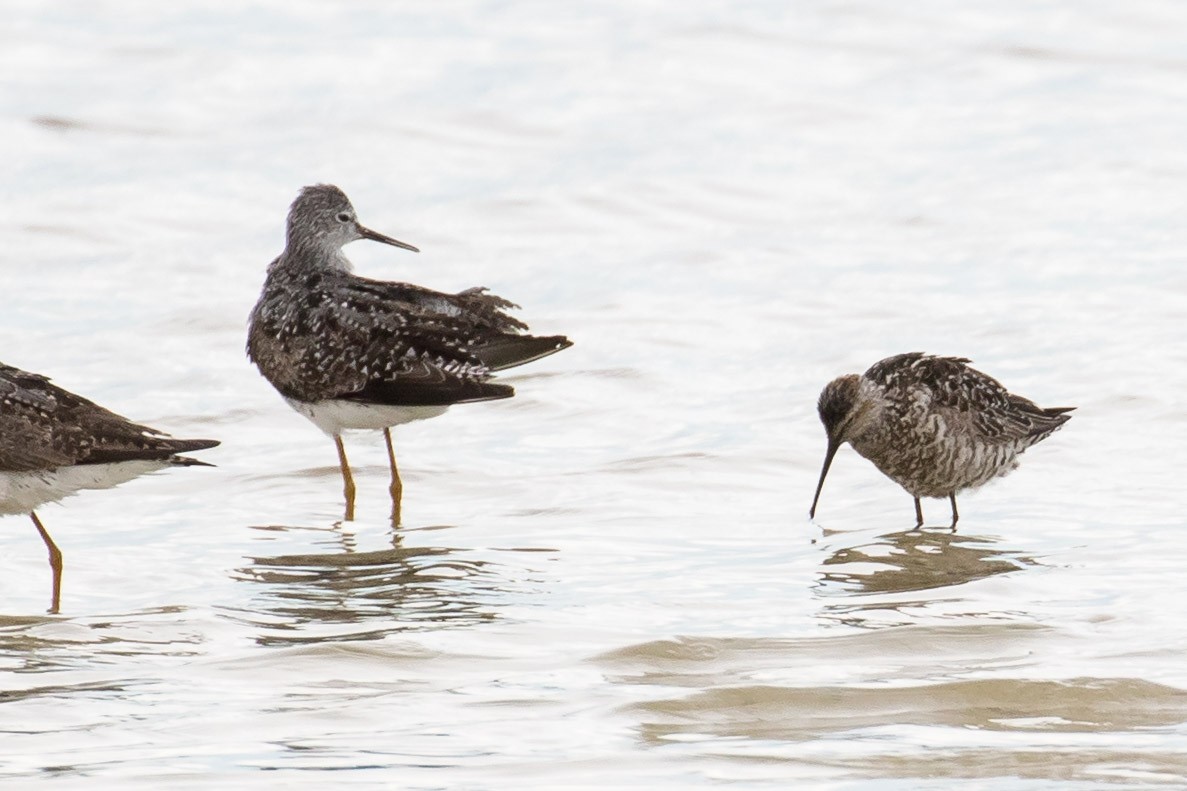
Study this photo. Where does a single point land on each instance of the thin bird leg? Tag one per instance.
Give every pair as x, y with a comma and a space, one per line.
55, 562
918, 514
955, 513
397, 486
347, 479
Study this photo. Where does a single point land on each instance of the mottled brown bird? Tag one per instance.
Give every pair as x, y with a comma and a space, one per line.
54, 443
933, 425
349, 352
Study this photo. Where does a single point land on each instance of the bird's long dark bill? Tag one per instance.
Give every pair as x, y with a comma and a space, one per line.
828, 460
375, 236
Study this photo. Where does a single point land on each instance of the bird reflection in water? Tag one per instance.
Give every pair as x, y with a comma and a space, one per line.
351, 595
916, 560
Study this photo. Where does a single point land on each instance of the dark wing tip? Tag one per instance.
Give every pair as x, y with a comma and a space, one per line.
186, 461
188, 445
510, 350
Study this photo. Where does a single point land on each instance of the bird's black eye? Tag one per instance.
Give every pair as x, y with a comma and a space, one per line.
343, 216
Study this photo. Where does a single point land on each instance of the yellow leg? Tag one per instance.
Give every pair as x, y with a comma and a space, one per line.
397, 486
347, 479
55, 562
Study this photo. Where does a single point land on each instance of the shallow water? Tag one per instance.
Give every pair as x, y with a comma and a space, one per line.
611, 578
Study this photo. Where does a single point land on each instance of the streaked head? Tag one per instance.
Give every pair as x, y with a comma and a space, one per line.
322, 218
842, 411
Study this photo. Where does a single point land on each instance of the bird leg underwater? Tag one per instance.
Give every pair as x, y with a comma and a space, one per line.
397, 486
347, 479
55, 562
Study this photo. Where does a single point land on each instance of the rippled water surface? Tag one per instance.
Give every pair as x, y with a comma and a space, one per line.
610, 579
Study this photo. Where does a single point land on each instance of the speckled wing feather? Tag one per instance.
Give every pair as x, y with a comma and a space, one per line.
992, 411
43, 426
489, 310
335, 335
26, 423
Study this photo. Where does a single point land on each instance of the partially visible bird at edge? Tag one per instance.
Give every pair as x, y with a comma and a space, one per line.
933, 425
54, 443
350, 352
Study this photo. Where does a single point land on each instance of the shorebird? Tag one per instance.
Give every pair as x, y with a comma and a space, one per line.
349, 352
933, 425
54, 443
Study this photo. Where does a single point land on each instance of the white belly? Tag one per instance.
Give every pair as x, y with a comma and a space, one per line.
334, 417
21, 492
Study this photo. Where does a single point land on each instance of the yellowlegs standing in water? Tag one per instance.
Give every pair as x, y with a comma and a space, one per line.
933, 425
54, 443
348, 352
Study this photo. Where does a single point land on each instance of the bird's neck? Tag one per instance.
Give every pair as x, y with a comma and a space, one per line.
306, 257
870, 409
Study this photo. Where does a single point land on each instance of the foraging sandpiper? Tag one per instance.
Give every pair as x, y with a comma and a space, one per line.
933, 425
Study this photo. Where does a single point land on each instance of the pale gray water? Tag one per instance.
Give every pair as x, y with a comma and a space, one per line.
611, 579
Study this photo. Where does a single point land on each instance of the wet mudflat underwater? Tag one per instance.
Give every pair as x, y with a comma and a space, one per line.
611, 578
